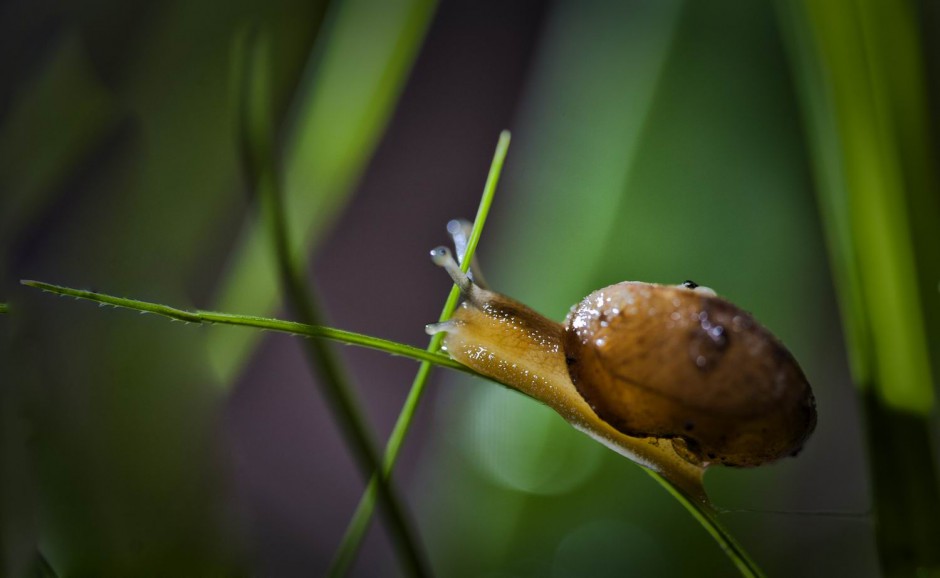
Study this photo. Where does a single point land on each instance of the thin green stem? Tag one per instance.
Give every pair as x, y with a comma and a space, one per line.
359, 523
266, 323
706, 516
335, 384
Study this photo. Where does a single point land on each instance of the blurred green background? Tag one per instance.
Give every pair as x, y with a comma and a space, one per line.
656, 141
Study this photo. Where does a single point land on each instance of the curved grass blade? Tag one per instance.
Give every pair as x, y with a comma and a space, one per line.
333, 131
333, 378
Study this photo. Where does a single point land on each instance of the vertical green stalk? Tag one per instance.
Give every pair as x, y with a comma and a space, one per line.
356, 530
257, 140
859, 70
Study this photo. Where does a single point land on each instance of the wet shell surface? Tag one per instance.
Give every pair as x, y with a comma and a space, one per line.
672, 362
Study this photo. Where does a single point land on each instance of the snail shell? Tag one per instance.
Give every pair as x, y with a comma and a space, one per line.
675, 362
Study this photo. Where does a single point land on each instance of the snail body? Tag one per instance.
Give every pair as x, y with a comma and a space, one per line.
673, 377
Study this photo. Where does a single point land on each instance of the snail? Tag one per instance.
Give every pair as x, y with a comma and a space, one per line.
671, 376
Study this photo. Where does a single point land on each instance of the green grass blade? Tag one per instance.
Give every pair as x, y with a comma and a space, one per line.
333, 379
359, 523
858, 67
356, 75
874, 224
255, 322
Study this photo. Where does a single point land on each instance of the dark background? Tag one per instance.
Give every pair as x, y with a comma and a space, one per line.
655, 141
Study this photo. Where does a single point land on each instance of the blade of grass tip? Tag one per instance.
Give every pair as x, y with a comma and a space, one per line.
4, 308
335, 384
123, 302
255, 322
359, 523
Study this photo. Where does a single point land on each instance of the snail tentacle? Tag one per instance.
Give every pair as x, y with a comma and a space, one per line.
443, 258
459, 231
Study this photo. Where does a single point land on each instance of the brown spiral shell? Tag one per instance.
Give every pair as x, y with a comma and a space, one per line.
671, 362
